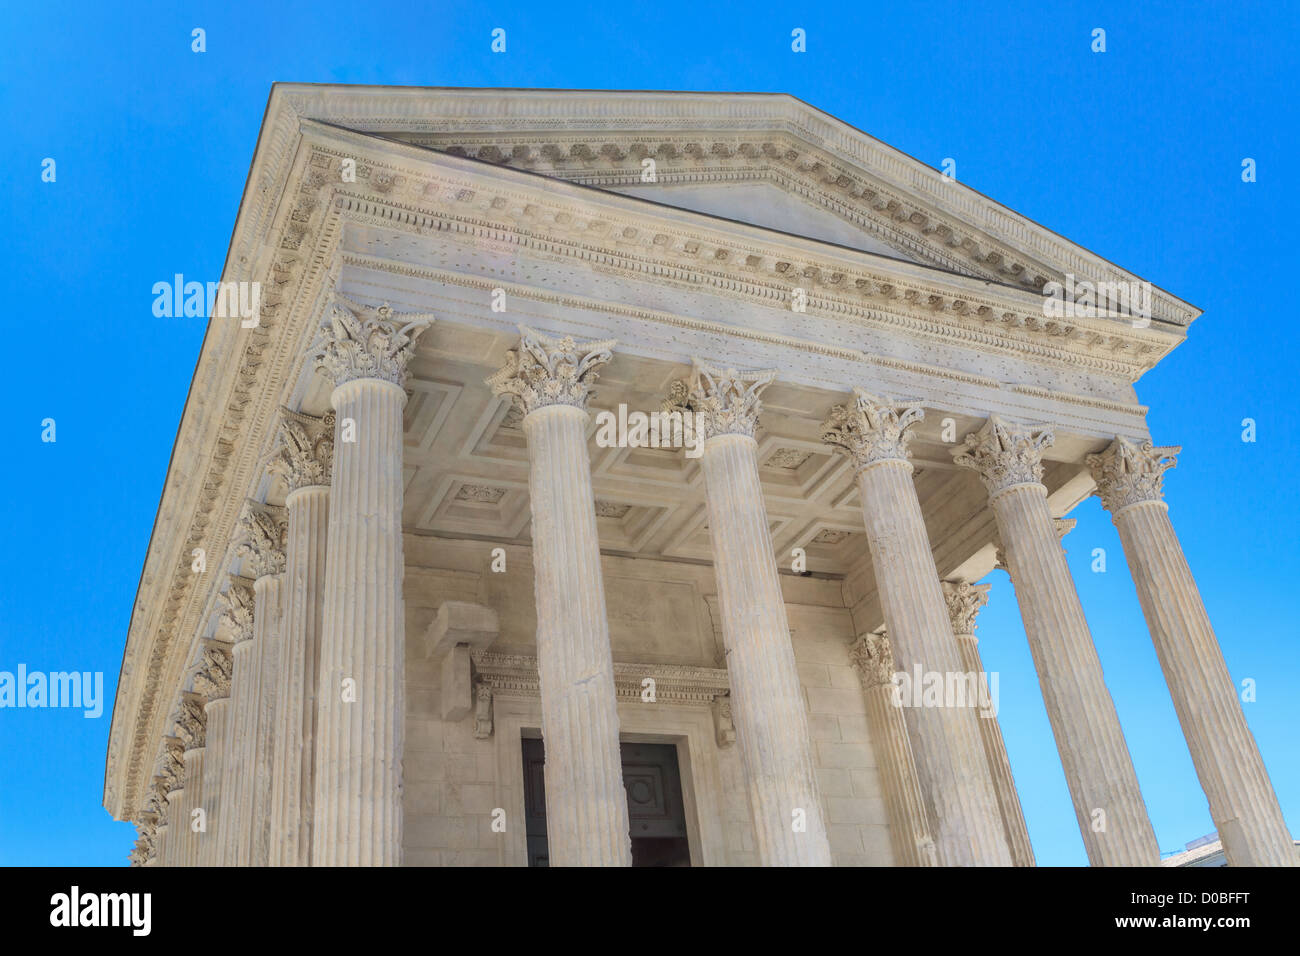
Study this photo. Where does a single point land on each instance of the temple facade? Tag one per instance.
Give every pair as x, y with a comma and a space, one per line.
608, 478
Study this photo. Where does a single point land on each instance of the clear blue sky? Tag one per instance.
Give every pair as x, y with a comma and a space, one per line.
1135, 153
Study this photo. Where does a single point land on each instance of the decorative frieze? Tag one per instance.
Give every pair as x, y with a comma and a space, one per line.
1127, 473
871, 429
512, 675
544, 371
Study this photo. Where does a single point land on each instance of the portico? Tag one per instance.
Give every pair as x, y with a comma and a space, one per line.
425, 551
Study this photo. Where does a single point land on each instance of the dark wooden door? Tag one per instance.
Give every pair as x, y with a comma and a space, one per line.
656, 814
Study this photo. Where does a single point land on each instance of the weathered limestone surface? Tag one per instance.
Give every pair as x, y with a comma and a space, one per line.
1098, 770
235, 786
945, 741
360, 730
586, 805
264, 529
910, 828
212, 682
767, 701
1227, 760
964, 602
307, 446
191, 727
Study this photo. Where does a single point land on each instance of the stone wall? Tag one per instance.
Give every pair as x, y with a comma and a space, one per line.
659, 613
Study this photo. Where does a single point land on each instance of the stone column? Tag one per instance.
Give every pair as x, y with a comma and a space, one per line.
265, 531
148, 820
1227, 760
306, 453
172, 838
767, 699
1098, 770
190, 729
945, 741
909, 823
212, 682
361, 715
236, 776
586, 805
964, 602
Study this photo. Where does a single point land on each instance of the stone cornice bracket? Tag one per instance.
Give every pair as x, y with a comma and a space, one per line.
725, 401
191, 722
1005, 454
305, 455
543, 371
266, 531
872, 657
964, 603
1129, 474
871, 429
724, 727
237, 612
356, 341
212, 679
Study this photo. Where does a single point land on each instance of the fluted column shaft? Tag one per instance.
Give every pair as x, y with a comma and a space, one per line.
210, 839
995, 751
162, 840
1227, 760
945, 740
1098, 769
267, 642
361, 713
766, 696
184, 838
235, 831
586, 805
909, 821
293, 740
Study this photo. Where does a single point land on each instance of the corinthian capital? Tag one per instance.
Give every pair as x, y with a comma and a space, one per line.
191, 722
872, 657
356, 341
266, 534
1127, 473
964, 603
870, 429
1005, 454
212, 679
306, 451
725, 402
236, 611
169, 769
543, 371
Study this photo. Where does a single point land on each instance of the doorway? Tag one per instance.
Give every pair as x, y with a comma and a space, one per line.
656, 813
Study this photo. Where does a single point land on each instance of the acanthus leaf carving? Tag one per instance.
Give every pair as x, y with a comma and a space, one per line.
357, 341
1127, 474
543, 371
306, 450
1005, 454
872, 429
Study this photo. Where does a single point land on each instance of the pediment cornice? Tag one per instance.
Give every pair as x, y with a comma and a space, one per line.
591, 136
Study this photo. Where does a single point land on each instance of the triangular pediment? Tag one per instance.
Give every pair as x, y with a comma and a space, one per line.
768, 205
761, 158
